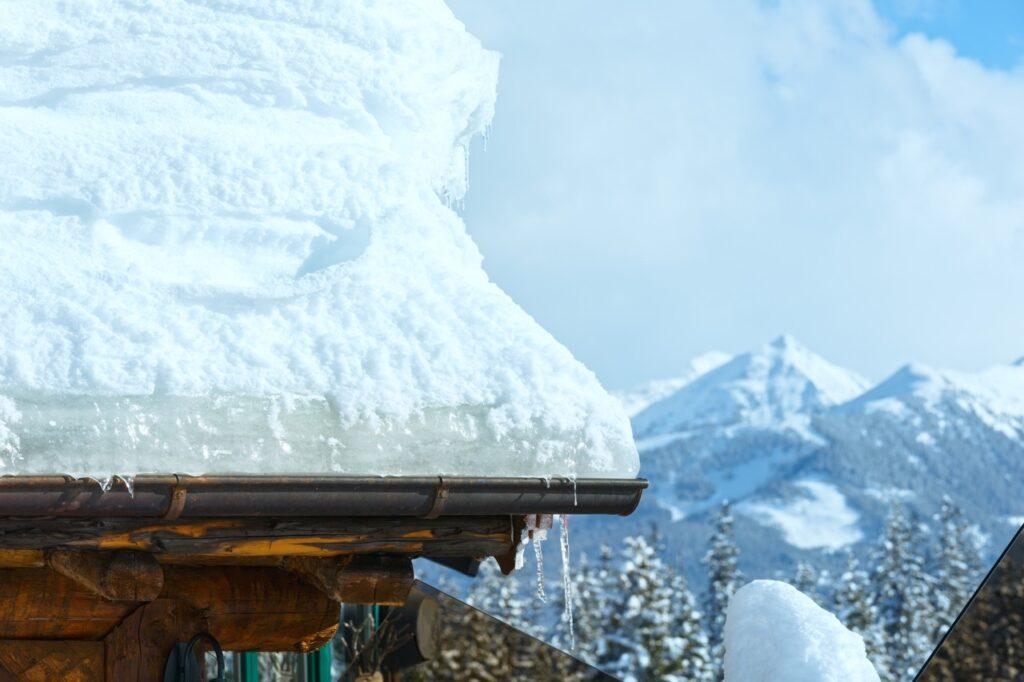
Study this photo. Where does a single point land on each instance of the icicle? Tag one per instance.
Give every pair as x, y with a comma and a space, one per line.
563, 538
575, 494
535, 531
129, 484
539, 554
106, 482
520, 553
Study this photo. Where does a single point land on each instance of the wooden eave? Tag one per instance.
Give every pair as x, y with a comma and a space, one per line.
100, 584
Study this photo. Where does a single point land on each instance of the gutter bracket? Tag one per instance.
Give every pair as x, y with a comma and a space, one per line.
440, 496
177, 502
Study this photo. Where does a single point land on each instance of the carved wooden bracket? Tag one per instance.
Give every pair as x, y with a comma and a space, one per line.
116, 576
356, 579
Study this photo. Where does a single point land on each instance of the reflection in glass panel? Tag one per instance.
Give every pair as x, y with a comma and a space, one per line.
280, 666
434, 636
987, 640
474, 645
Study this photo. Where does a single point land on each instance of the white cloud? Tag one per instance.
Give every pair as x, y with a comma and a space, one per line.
667, 177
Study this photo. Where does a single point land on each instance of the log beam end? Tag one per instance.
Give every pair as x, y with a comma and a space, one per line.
356, 579
116, 576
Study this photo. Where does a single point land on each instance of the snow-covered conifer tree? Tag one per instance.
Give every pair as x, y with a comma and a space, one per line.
499, 596
723, 580
642, 643
954, 568
692, 640
853, 603
901, 595
805, 579
591, 608
694, 652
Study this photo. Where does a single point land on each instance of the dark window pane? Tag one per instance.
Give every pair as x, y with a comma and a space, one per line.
987, 641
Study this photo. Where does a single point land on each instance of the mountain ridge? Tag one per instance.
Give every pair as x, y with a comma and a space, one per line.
812, 456
640, 396
767, 386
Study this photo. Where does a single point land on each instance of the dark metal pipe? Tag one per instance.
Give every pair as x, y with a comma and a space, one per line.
179, 496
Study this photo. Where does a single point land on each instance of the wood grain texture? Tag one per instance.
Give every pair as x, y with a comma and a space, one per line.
38, 603
22, 558
253, 608
254, 537
246, 607
45, 661
137, 649
254, 583
124, 575
358, 579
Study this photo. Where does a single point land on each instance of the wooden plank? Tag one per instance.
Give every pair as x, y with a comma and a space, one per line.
22, 558
38, 603
44, 661
137, 649
254, 537
123, 575
357, 579
51, 660
252, 608
245, 607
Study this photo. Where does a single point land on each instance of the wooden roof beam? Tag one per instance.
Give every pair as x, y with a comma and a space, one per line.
240, 538
357, 579
116, 576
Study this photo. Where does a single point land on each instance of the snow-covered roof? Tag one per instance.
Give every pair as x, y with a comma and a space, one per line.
228, 246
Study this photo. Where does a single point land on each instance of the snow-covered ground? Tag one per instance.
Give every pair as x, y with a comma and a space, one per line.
773, 632
228, 246
822, 520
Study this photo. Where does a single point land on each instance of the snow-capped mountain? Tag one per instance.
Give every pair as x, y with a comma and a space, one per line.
638, 398
812, 456
922, 433
777, 386
917, 394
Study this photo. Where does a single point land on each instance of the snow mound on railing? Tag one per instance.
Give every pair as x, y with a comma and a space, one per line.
775, 632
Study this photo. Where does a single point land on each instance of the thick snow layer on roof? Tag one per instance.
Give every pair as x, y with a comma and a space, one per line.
775, 632
227, 246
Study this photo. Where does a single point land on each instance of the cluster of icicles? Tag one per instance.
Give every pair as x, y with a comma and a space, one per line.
534, 533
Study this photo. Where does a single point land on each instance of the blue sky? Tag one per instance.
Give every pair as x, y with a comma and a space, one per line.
990, 31
666, 178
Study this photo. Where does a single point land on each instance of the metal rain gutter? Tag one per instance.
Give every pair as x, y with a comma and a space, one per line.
181, 496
